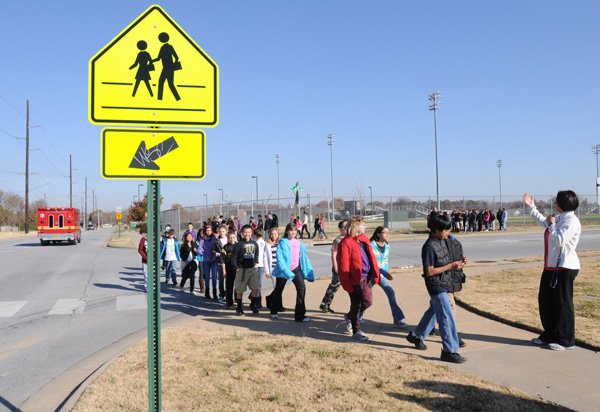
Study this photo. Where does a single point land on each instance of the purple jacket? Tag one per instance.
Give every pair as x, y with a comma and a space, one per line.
208, 254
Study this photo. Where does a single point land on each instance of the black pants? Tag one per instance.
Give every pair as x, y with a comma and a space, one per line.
304, 228
189, 272
275, 298
229, 282
556, 306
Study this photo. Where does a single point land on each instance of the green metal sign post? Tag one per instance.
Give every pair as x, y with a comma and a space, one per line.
153, 295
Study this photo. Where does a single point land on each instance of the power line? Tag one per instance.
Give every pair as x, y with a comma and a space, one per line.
11, 106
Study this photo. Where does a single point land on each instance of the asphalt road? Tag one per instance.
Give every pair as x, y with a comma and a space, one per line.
61, 304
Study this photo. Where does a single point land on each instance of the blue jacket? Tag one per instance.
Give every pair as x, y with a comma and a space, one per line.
284, 259
163, 247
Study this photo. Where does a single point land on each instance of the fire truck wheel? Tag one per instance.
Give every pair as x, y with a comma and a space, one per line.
43, 242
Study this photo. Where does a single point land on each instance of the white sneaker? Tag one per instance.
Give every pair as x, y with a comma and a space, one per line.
306, 319
361, 320
556, 346
196, 293
401, 324
348, 323
538, 341
274, 316
360, 335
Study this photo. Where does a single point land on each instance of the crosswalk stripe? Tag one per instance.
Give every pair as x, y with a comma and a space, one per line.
10, 308
131, 302
67, 307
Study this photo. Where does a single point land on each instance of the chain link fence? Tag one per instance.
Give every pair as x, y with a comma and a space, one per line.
395, 211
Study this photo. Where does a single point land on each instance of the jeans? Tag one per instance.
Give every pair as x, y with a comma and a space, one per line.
210, 275
170, 270
439, 310
386, 285
145, 268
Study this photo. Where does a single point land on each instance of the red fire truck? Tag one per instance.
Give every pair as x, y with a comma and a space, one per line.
58, 224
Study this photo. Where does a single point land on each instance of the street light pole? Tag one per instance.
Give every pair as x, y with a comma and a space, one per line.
256, 178
434, 98
140, 185
499, 164
330, 139
596, 151
371, 190
277, 159
70, 182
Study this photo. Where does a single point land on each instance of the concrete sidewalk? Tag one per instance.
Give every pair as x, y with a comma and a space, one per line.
495, 352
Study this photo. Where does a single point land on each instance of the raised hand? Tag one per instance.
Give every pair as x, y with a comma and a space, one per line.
528, 200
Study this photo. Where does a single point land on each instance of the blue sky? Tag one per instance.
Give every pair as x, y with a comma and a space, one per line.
519, 82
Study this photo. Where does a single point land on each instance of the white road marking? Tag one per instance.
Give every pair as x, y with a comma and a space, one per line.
10, 308
131, 302
67, 307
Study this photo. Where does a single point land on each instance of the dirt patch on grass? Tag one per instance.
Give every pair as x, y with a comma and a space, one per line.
259, 372
511, 295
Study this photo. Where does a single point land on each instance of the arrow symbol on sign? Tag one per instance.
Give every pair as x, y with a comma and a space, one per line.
144, 158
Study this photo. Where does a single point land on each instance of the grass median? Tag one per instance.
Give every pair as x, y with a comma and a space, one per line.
205, 370
510, 295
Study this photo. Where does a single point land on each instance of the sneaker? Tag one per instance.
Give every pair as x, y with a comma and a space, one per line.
240, 312
274, 316
461, 343
221, 298
174, 282
557, 346
324, 308
416, 341
360, 335
197, 293
452, 357
254, 308
401, 324
305, 319
348, 323
538, 341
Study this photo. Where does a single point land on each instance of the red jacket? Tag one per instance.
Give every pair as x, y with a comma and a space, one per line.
143, 250
349, 260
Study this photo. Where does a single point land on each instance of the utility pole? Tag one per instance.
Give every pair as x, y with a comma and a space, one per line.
27, 169
434, 98
93, 202
70, 182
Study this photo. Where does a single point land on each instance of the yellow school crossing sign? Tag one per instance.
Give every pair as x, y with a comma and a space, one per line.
153, 73
158, 154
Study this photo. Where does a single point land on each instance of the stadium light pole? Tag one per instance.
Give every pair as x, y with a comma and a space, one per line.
140, 185
499, 164
277, 159
434, 98
371, 191
221, 205
596, 151
330, 139
256, 178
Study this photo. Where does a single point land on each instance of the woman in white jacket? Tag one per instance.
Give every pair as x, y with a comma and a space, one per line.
561, 266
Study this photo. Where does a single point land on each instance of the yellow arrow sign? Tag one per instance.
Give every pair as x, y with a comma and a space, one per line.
153, 73
134, 154
119, 215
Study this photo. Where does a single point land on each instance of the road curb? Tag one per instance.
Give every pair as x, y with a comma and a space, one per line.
63, 392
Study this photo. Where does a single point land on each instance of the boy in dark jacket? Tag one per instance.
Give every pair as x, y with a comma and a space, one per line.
228, 268
245, 259
438, 266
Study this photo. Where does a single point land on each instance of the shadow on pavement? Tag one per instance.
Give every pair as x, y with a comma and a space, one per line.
452, 396
38, 244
